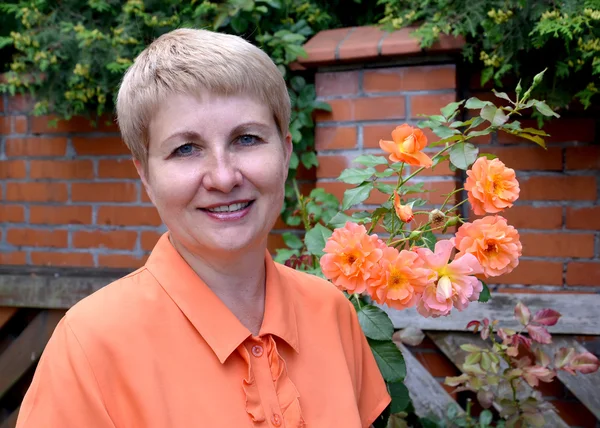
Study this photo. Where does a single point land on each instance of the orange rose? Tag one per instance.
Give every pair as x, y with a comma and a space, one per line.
493, 242
350, 254
491, 186
407, 145
404, 212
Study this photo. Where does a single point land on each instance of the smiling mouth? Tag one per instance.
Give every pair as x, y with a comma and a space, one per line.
229, 208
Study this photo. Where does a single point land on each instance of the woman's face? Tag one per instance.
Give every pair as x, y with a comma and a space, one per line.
216, 171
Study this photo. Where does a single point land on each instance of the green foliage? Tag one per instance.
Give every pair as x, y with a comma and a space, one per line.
512, 37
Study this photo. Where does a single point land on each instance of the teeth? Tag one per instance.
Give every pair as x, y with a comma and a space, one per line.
229, 208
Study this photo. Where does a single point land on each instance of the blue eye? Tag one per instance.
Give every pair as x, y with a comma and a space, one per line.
184, 150
249, 140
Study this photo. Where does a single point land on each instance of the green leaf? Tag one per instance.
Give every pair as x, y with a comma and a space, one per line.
400, 397
446, 140
292, 240
284, 254
444, 132
356, 195
388, 172
385, 188
462, 155
475, 103
294, 161
297, 83
389, 359
502, 95
339, 220
486, 75
543, 108
535, 138
468, 347
427, 239
316, 238
485, 418
478, 120
535, 131
449, 110
309, 159
370, 160
452, 412
356, 175
485, 294
321, 105
375, 323
488, 156
494, 115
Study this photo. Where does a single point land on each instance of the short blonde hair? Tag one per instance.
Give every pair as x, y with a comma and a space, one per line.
188, 61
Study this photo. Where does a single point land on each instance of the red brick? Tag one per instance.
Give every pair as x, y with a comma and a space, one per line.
424, 78
331, 166
528, 217
321, 48
61, 259
13, 258
582, 273
100, 146
532, 272
1, 104
116, 168
564, 188
37, 238
437, 364
12, 169
574, 413
429, 104
442, 169
121, 261
104, 192
334, 138
583, 218
20, 103
583, 157
400, 42
5, 125
377, 108
72, 214
527, 290
20, 124
36, 192
144, 196
373, 133
149, 240
303, 173
12, 213
128, 216
529, 158
548, 244
36, 146
65, 170
362, 43
41, 125
336, 83
114, 239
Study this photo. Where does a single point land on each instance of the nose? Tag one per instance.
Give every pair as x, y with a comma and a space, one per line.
222, 173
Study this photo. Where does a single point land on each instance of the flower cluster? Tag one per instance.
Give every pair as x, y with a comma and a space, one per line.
433, 280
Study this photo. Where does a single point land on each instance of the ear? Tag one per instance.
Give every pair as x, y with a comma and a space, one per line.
288, 148
143, 173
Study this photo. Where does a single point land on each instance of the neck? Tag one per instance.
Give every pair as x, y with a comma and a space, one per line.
238, 280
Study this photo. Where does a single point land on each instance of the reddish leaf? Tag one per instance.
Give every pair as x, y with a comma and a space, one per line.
519, 339
542, 358
539, 334
475, 324
522, 313
546, 317
533, 374
563, 357
584, 363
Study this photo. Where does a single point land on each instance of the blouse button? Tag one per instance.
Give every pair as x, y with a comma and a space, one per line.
276, 420
257, 351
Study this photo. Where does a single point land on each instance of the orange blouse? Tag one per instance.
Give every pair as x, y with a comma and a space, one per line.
158, 349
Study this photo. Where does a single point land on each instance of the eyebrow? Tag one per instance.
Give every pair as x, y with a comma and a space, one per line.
190, 135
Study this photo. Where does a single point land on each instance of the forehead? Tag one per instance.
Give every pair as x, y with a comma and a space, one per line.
208, 115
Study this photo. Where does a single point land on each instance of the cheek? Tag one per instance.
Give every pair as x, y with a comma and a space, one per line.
173, 185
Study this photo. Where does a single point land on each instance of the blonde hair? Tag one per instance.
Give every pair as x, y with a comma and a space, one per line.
188, 61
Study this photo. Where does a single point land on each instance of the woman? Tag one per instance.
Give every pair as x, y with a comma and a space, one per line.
210, 332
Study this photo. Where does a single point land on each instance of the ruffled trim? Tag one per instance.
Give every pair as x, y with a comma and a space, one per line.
287, 394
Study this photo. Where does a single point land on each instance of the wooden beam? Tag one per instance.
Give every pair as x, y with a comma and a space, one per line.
11, 421
26, 349
47, 292
428, 396
579, 313
585, 387
6, 314
449, 344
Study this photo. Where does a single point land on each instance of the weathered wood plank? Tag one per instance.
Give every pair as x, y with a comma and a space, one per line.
47, 292
579, 313
449, 344
11, 421
6, 314
585, 387
26, 348
428, 396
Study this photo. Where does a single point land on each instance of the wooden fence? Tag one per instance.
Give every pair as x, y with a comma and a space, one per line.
31, 306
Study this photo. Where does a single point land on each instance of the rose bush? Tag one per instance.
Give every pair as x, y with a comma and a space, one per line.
408, 263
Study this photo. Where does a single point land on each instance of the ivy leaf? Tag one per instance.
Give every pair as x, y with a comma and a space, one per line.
356, 175
485, 294
321, 105
370, 160
493, 115
449, 110
356, 195
316, 238
309, 159
400, 397
389, 359
375, 323
292, 240
462, 155
543, 108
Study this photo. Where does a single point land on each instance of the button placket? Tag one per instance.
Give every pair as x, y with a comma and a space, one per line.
276, 420
257, 351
